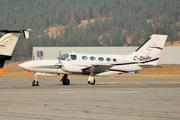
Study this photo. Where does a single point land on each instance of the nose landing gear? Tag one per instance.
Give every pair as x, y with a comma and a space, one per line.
35, 81
65, 80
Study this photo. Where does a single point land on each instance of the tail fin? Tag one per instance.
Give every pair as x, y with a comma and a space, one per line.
8, 42
150, 51
26, 33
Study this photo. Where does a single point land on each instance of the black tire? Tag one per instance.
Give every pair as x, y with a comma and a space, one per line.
91, 83
66, 82
35, 83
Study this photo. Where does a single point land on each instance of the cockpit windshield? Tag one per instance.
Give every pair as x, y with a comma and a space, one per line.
64, 56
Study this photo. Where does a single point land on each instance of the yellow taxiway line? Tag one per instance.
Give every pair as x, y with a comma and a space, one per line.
138, 83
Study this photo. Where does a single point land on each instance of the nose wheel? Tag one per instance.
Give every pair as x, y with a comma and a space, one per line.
65, 80
35, 82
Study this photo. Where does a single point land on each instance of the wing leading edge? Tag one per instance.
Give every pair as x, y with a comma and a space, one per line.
95, 69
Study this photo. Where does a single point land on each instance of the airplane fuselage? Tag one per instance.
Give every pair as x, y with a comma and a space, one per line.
77, 62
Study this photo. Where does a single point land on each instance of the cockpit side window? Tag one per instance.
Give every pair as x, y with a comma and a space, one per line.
73, 57
1, 35
64, 56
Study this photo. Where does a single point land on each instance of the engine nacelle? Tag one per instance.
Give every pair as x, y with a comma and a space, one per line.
71, 68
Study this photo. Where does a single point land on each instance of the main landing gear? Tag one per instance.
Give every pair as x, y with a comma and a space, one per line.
91, 80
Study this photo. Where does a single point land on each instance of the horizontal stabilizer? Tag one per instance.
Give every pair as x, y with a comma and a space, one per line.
24, 31
3, 59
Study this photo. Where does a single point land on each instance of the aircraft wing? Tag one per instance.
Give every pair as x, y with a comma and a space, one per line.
96, 68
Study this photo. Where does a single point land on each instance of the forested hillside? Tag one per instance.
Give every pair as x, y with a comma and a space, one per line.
89, 22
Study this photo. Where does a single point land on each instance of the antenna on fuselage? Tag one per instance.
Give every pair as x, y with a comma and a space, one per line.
59, 55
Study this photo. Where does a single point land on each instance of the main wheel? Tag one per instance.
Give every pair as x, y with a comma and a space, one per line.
91, 82
66, 82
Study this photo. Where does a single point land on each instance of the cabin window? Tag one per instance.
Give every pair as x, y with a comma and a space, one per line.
92, 58
84, 57
108, 59
114, 60
73, 57
101, 59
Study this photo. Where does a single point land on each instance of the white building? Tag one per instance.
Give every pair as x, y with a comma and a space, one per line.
170, 55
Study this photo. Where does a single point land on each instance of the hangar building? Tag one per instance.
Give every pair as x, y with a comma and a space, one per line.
170, 55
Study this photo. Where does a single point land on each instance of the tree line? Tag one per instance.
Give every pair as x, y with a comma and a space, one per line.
116, 22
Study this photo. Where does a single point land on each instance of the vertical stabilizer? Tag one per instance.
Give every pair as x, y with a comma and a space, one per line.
8, 42
150, 51
26, 33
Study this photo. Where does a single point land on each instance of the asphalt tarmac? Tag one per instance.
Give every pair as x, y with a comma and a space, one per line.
112, 98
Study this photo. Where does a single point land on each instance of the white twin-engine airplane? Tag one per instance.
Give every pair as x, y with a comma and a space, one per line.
8, 42
146, 55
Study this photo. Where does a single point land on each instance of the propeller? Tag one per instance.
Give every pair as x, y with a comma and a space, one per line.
59, 64
59, 55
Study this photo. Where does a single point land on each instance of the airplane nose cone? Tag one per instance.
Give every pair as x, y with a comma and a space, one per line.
23, 65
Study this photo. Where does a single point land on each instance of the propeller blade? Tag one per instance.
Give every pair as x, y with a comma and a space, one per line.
59, 55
